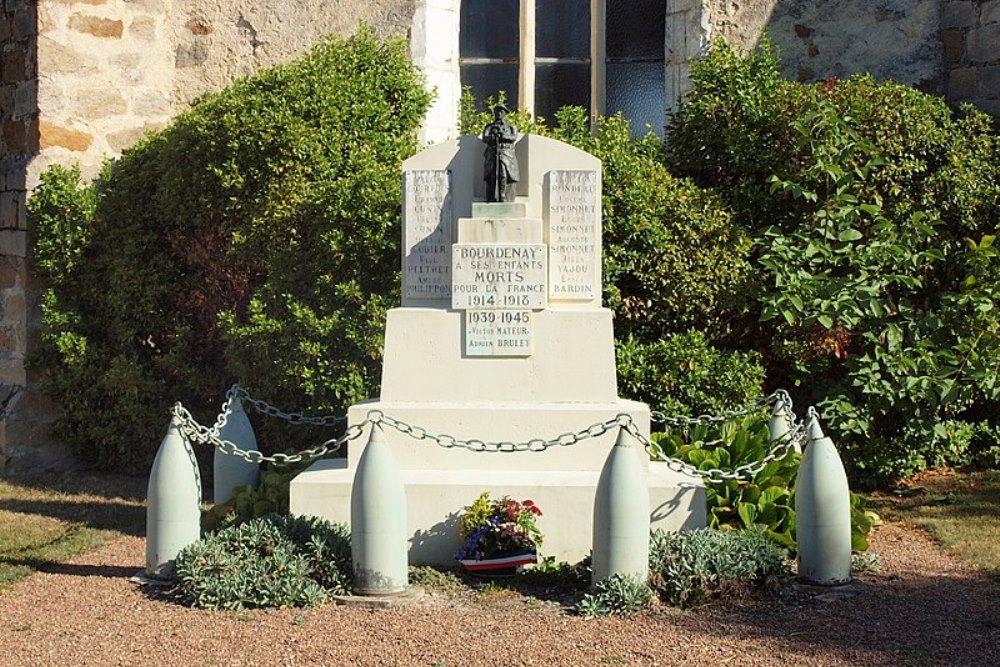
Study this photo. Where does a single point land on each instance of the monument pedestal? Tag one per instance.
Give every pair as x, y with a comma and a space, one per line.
501, 339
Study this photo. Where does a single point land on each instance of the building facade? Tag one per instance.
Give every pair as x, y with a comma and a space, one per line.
80, 80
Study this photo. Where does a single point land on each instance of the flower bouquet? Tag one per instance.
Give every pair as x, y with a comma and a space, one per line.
500, 535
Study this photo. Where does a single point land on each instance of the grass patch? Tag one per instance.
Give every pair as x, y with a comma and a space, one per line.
961, 511
44, 522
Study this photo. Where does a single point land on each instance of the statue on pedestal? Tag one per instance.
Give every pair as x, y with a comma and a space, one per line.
499, 162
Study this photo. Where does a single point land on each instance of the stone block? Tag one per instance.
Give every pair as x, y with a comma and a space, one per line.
954, 46
6, 101
12, 212
963, 84
152, 104
26, 98
991, 106
14, 136
989, 81
13, 66
57, 58
12, 272
50, 135
13, 242
24, 23
958, 14
434, 497
12, 371
98, 26
143, 28
199, 25
119, 141
989, 12
99, 100
983, 44
191, 54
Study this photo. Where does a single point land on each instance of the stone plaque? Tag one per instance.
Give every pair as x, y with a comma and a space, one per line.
498, 276
574, 234
429, 230
498, 333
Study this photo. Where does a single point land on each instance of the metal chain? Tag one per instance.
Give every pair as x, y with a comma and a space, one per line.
474, 445
266, 408
780, 397
199, 434
779, 450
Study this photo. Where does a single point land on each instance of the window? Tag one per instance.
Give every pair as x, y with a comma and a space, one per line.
550, 53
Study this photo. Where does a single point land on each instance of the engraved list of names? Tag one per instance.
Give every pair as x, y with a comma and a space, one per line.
429, 231
573, 231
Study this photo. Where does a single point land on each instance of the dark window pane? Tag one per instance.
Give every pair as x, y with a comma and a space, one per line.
488, 80
489, 29
635, 28
636, 89
559, 85
562, 28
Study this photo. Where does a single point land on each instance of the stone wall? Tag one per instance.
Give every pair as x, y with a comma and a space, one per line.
891, 39
970, 32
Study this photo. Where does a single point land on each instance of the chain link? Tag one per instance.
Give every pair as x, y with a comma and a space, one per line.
296, 418
779, 397
199, 434
780, 448
475, 445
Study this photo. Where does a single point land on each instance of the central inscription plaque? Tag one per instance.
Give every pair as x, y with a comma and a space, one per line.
498, 276
498, 333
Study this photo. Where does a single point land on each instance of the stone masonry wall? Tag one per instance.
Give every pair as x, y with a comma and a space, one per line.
970, 32
891, 39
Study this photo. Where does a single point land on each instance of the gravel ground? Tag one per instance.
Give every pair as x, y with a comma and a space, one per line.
922, 608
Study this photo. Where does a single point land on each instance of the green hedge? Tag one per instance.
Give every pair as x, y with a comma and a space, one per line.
874, 210
255, 238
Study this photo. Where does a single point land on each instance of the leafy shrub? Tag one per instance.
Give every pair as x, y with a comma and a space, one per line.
255, 237
272, 561
874, 210
765, 502
682, 374
617, 595
688, 566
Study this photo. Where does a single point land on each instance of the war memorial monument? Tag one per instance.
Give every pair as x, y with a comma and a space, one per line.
500, 352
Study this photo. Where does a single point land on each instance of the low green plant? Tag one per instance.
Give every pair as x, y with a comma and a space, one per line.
691, 565
617, 595
272, 561
438, 580
767, 499
270, 496
550, 573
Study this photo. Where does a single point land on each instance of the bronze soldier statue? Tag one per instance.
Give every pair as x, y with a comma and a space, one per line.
499, 162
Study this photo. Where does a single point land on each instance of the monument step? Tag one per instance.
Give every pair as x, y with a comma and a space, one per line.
434, 499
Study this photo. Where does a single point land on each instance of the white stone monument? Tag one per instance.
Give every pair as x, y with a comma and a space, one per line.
501, 337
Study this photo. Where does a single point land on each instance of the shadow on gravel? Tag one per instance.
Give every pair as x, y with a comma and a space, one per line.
927, 621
